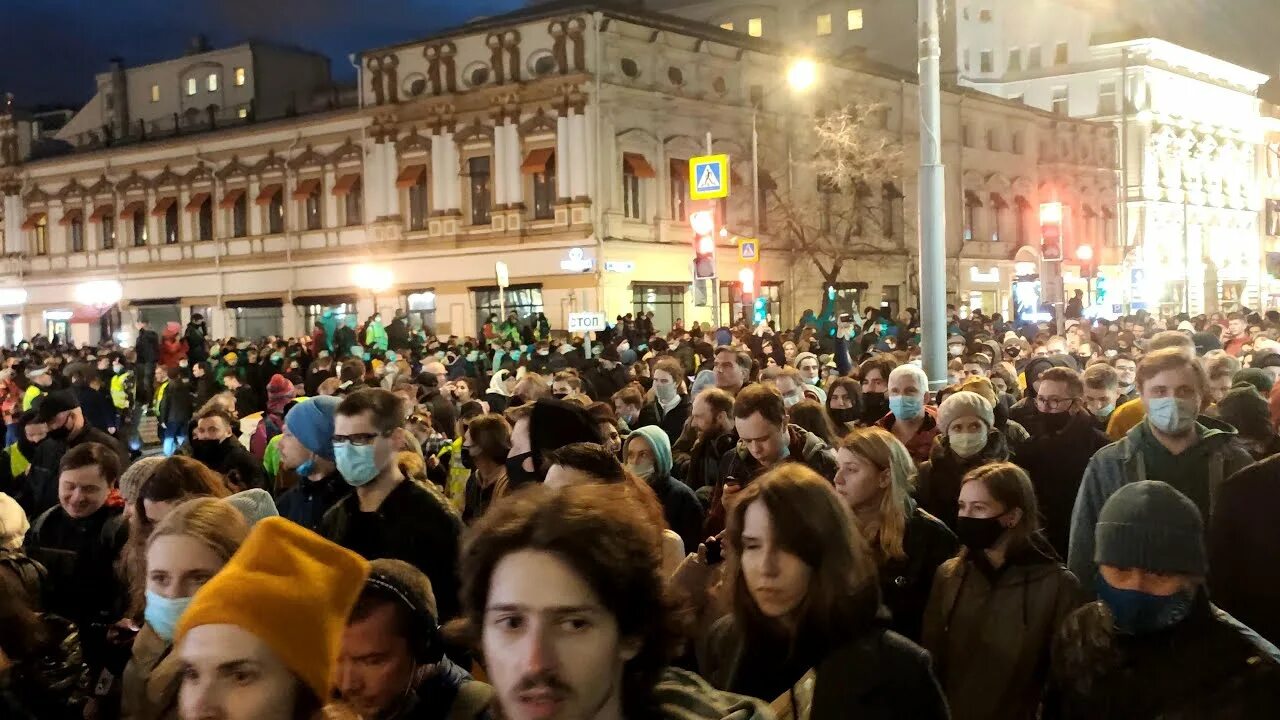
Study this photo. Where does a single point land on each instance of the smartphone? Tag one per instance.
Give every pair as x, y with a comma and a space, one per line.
715, 551
845, 317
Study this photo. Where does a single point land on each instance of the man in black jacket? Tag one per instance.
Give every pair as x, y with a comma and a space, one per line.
306, 447
708, 435
607, 376
195, 334
216, 445
61, 411
147, 349
388, 515
343, 338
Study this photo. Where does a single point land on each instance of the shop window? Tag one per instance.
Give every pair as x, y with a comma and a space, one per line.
256, 323
524, 300
481, 190
732, 308
421, 308
329, 313
666, 302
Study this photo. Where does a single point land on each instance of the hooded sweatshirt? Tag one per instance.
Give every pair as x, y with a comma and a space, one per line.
680, 505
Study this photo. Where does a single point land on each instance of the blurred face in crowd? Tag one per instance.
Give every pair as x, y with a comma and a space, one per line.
36, 431
777, 579
229, 674
561, 389
840, 399
354, 428
704, 418
1056, 346
791, 392
1218, 387
874, 382
1174, 382
1053, 396
728, 375
1236, 326
905, 384
1096, 399
551, 648
179, 565
521, 444
663, 379
629, 413
859, 481
976, 502
1127, 370
437, 368
612, 438
213, 428
974, 370
808, 370
83, 491
376, 665
763, 439
999, 384
1145, 581
292, 452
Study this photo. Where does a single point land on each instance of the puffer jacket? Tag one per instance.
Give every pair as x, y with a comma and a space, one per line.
48, 684
991, 630
938, 480
1207, 667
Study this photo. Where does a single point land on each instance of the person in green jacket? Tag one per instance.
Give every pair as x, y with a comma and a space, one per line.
375, 334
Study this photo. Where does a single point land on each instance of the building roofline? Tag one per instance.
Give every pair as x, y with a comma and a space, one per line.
1226, 70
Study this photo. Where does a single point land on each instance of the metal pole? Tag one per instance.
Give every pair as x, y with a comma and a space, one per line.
1186, 259
714, 281
933, 258
755, 176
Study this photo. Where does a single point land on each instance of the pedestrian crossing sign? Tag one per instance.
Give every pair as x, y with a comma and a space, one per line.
749, 250
709, 177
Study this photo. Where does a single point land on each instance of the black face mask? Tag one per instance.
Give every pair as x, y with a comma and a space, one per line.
60, 434
843, 415
875, 405
517, 474
1051, 422
559, 396
978, 534
206, 451
464, 457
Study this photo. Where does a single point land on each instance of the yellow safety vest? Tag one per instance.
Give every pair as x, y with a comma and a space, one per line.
155, 403
18, 463
119, 394
34, 391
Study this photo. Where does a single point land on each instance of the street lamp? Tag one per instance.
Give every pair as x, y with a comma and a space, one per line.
98, 293
802, 73
374, 278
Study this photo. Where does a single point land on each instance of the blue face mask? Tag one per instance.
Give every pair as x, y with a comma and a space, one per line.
906, 407
162, 614
1172, 415
1138, 613
356, 463
1105, 412
305, 468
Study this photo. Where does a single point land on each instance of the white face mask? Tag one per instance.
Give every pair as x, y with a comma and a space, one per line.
665, 393
967, 444
644, 472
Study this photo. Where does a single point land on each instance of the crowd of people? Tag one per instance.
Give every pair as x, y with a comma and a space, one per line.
738, 522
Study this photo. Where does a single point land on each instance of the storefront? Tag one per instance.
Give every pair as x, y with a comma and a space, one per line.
256, 319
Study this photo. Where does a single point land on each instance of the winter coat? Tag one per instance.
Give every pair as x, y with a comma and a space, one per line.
875, 675
171, 350
42, 476
681, 508
1056, 462
672, 421
1207, 667
343, 338
990, 631
739, 464
375, 336
1125, 462
194, 336
397, 334
47, 684
905, 582
1244, 547
97, 408
147, 347
307, 501
604, 383
921, 444
938, 481
178, 404
699, 464
149, 685
230, 459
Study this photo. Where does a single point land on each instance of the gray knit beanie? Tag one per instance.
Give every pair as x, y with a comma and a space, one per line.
963, 403
1151, 526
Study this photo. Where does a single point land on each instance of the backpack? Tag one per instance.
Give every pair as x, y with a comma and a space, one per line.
267, 428
31, 575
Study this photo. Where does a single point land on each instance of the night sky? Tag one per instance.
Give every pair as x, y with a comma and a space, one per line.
51, 49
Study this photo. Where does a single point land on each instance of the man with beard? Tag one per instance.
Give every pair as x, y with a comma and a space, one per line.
216, 445
61, 411
708, 435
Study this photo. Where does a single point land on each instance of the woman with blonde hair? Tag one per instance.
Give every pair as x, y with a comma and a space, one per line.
185, 549
874, 478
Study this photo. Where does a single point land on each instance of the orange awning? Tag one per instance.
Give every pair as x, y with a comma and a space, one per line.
71, 216
268, 192
638, 166
345, 183
132, 209
230, 198
536, 161
410, 175
102, 211
33, 220
88, 313
193, 205
163, 205
306, 188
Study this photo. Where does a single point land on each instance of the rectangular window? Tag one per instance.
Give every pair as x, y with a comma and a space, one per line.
421, 307
680, 190
824, 24
1017, 142
726, 26
1015, 60
171, 225
240, 216
853, 20
1107, 98
827, 190
1020, 210
630, 193
755, 27
139, 228
971, 204
353, 204
993, 140
192, 86
155, 93
212, 82
76, 231
418, 203
239, 76
768, 303
666, 302
1033, 57
1060, 104
41, 237
986, 62
481, 191
544, 191
242, 113
311, 207
108, 232
1060, 54
525, 301
259, 322
890, 209
966, 136
275, 212
204, 220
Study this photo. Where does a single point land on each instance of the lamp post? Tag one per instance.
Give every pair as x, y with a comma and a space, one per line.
802, 74
933, 257
374, 278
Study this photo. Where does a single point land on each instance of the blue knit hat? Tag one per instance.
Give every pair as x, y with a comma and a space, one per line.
312, 423
659, 443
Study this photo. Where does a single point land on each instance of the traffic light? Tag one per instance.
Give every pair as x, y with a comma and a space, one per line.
758, 310
703, 224
747, 277
1051, 231
1088, 261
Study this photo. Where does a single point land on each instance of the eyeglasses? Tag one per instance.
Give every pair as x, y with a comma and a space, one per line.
356, 439
1053, 404
419, 419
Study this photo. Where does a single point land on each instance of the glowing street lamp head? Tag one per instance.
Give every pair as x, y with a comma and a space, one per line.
747, 277
703, 222
1084, 252
100, 293
1050, 213
802, 74
373, 278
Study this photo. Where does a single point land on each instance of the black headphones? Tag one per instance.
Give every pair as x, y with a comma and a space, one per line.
424, 638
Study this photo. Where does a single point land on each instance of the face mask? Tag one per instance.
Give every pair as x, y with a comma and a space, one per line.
644, 472
843, 415
1052, 422
978, 534
664, 393
117, 369
544, 353
905, 407
1171, 415
356, 463
1137, 613
1105, 411
516, 472
162, 614
205, 450
811, 381
60, 434
967, 444
464, 457
792, 399
305, 468
955, 350
559, 395
875, 406
275, 357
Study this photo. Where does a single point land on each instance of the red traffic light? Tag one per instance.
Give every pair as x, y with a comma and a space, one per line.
706, 245
703, 222
747, 277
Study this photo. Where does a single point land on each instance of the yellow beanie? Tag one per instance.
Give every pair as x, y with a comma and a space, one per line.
981, 386
290, 588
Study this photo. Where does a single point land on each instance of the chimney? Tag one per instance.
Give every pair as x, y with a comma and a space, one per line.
199, 44
119, 89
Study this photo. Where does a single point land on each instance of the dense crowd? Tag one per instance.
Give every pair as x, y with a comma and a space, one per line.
374, 521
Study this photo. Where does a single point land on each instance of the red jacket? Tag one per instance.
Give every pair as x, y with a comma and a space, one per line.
922, 442
171, 351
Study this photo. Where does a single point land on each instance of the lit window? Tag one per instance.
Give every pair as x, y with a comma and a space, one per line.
984, 16
242, 113
824, 24
191, 86
213, 82
239, 76
985, 62
755, 27
1060, 54
854, 21
155, 93
1060, 101
726, 26
1033, 57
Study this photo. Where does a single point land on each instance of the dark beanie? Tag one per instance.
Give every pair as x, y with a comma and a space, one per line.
1151, 526
1246, 411
556, 423
1256, 377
